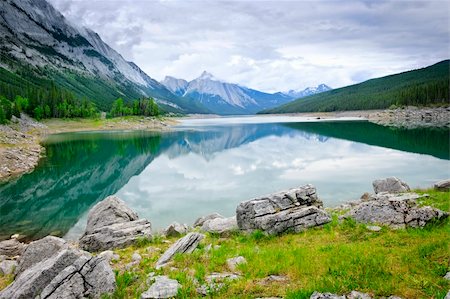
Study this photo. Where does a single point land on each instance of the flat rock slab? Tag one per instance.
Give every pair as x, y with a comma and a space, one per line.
396, 211
116, 235
163, 287
222, 226
291, 210
391, 184
11, 247
352, 295
187, 244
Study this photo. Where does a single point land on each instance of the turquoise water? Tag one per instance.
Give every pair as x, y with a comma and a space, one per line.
211, 165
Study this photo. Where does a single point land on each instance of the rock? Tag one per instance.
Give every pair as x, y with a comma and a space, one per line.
215, 282
15, 236
220, 277
69, 273
317, 295
396, 211
163, 287
373, 228
38, 251
201, 220
448, 295
136, 257
175, 230
109, 255
222, 226
391, 185
365, 196
358, 295
187, 244
274, 279
442, 185
447, 276
7, 267
232, 263
11, 247
295, 209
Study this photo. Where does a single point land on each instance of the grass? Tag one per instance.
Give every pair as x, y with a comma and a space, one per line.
338, 257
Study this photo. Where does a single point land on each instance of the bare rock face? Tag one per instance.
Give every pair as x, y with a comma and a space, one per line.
442, 185
11, 247
163, 287
111, 224
38, 251
187, 244
220, 226
201, 220
296, 209
175, 230
391, 185
68, 273
395, 210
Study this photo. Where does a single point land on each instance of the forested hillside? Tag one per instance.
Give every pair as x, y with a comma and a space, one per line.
422, 87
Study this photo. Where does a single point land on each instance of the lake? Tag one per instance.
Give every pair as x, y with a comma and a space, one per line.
210, 165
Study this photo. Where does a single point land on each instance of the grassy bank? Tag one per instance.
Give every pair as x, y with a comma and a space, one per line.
338, 257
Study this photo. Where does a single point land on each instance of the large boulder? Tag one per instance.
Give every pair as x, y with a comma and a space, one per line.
219, 225
442, 185
111, 224
395, 210
69, 273
293, 210
38, 251
175, 229
201, 220
11, 247
187, 244
391, 185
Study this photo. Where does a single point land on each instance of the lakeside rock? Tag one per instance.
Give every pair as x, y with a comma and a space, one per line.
187, 244
11, 247
162, 287
294, 209
111, 224
175, 230
442, 185
391, 185
222, 226
412, 117
69, 273
395, 210
201, 220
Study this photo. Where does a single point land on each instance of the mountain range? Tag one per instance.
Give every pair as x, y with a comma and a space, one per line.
228, 98
39, 48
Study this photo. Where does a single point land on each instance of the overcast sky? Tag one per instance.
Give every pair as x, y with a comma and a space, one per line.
270, 46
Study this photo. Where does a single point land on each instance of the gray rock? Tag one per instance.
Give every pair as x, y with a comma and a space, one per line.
448, 295
317, 295
292, 210
163, 287
274, 279
175, 230
11, 247
358, 295
117, 235
7, 267
187, 244
38, 251
221, 226
2, 258
136, 257
232, 263
88, 277
109, 255
396, 211
442, 185
111, 210
201, 220
373, 228
215, 282
447, 276
221, 277
391, 184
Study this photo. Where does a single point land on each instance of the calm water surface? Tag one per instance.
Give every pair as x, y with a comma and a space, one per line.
211, 165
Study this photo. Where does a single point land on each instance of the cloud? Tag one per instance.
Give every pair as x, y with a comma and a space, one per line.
267, 45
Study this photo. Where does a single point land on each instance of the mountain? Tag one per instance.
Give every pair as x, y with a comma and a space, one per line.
38, 47
421, 87
224, 98
296, 94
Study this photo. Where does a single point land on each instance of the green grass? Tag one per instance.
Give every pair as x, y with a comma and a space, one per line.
338, 257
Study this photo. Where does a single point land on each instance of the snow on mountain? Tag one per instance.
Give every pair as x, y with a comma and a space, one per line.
307, 91
224, 98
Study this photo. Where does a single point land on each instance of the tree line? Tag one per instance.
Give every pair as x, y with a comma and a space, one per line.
143, 106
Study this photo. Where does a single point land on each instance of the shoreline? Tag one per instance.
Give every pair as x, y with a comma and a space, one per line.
21, 149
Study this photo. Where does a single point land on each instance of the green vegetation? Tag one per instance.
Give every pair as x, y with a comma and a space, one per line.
423, 87
338, 257
145, 107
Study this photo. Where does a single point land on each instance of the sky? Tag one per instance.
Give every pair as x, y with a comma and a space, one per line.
270, 45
